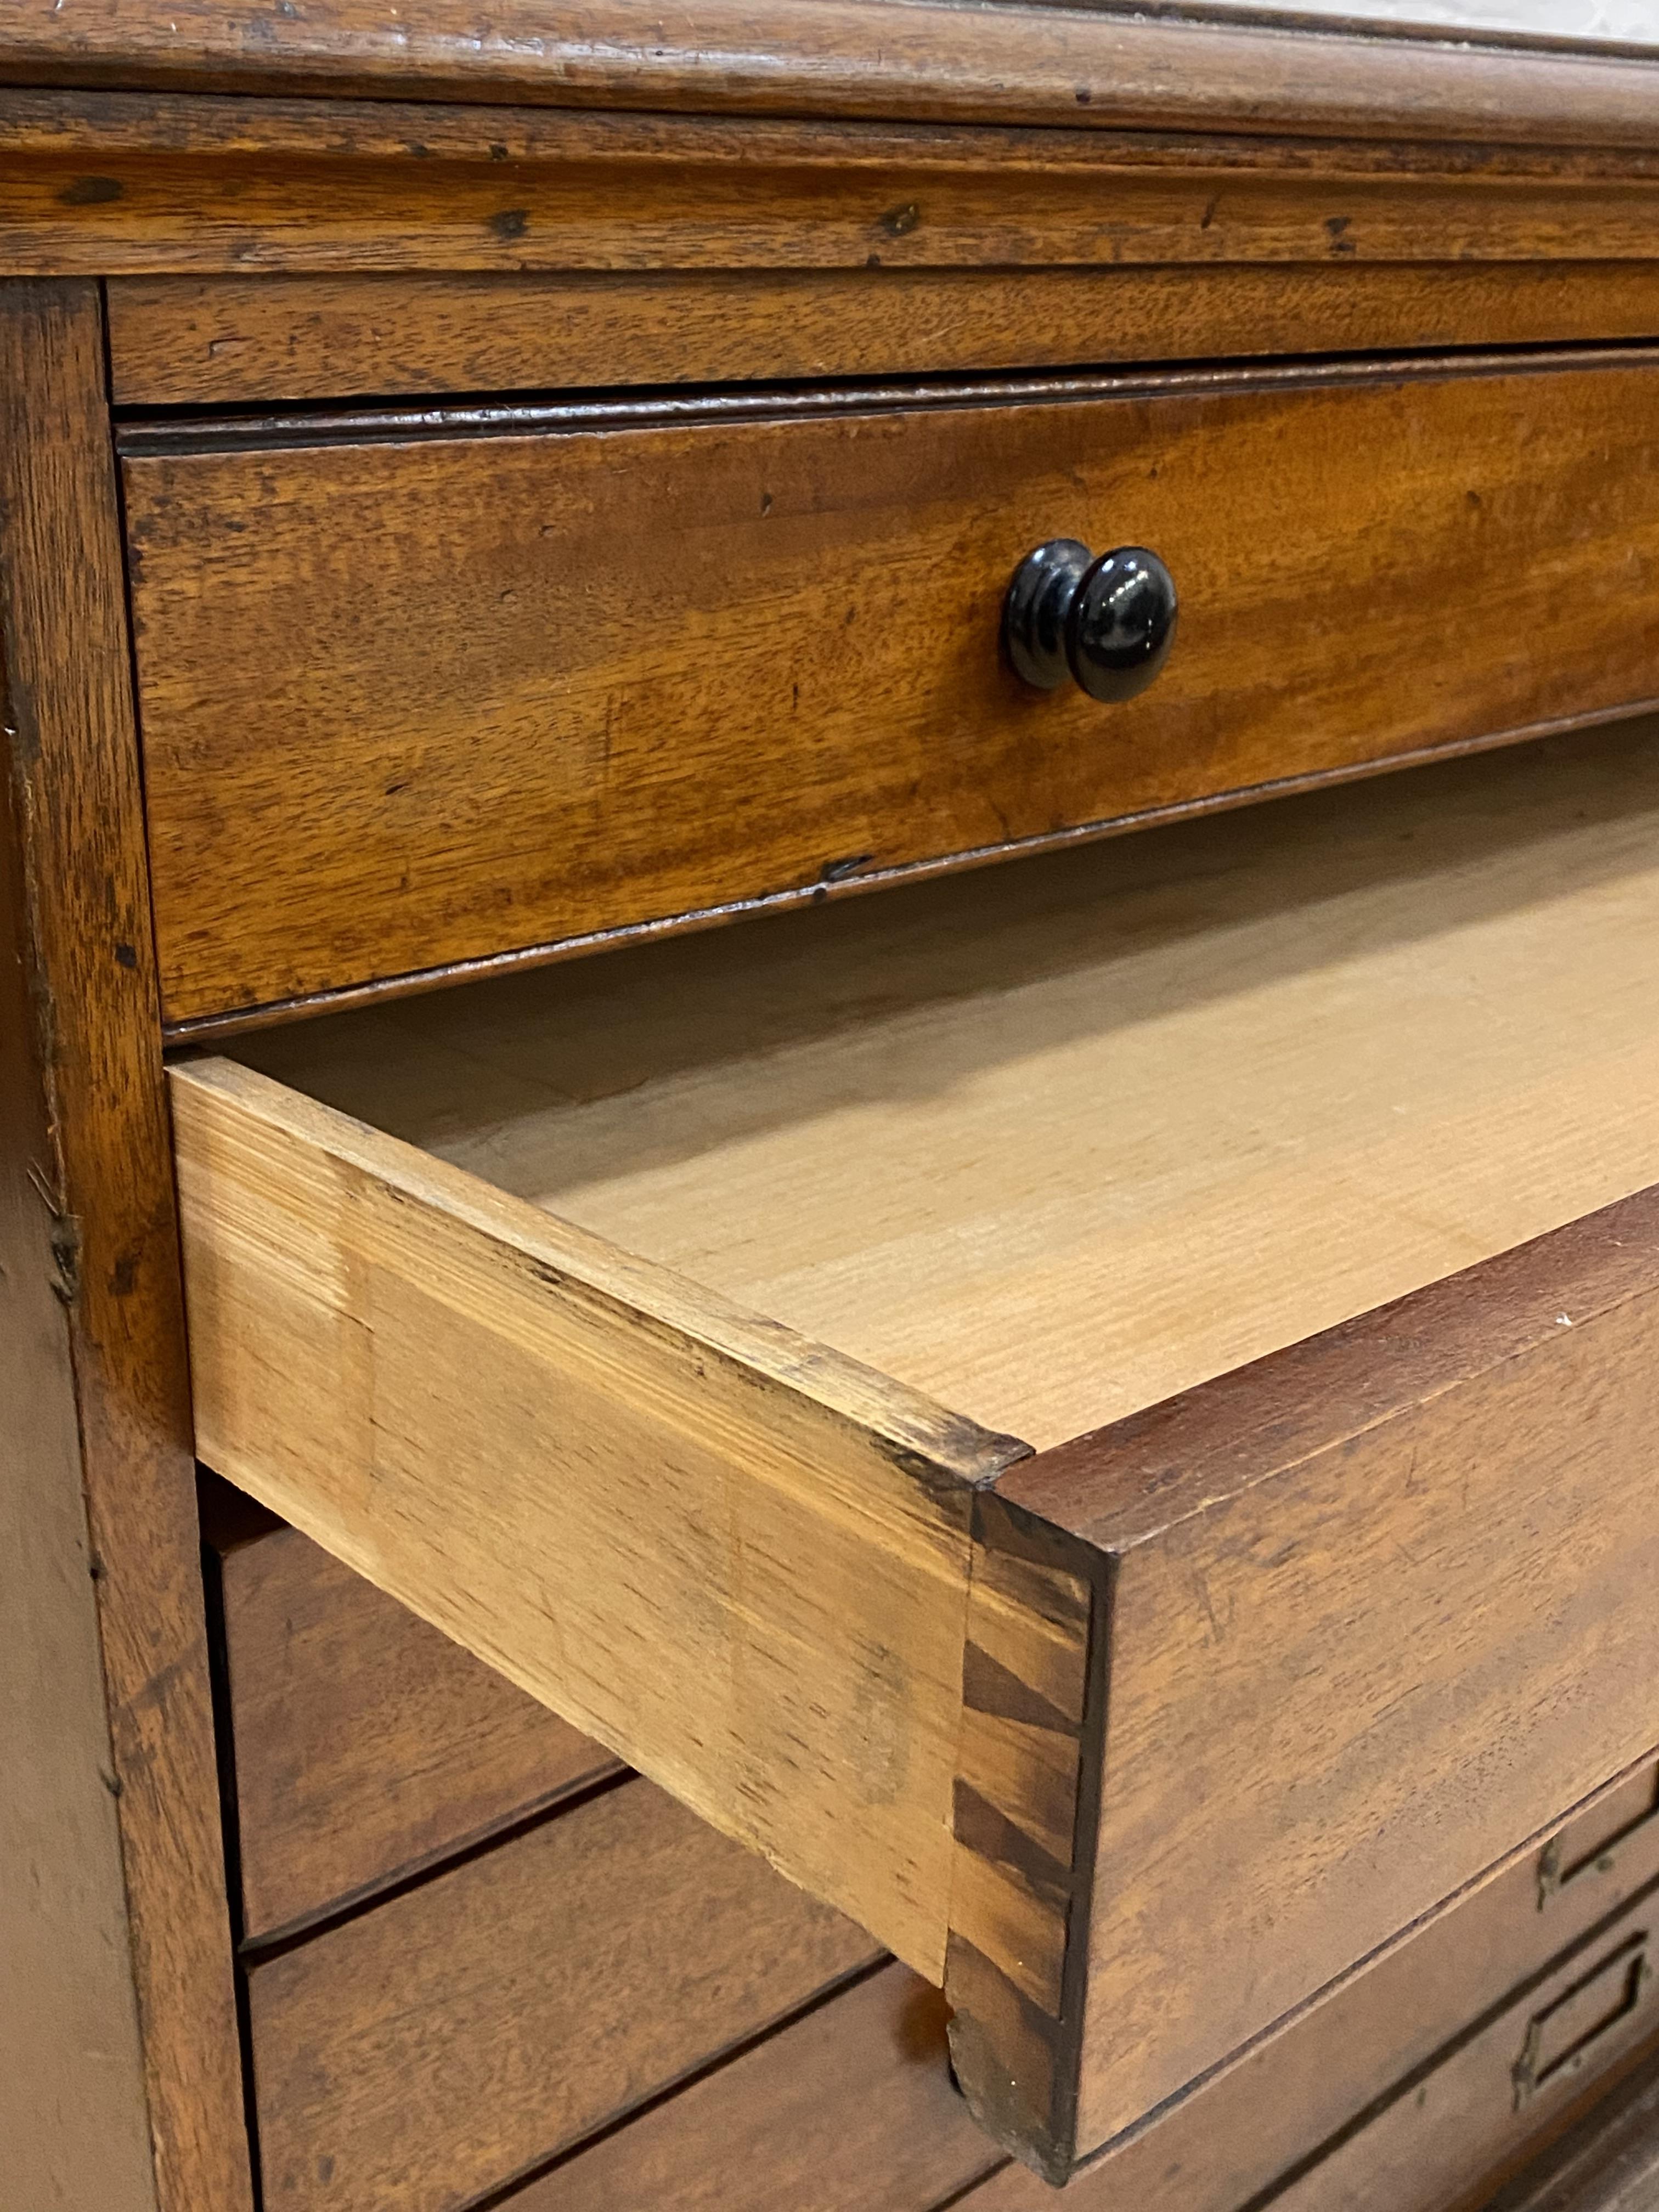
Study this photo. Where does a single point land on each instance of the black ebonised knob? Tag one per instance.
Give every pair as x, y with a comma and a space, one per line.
1109, 623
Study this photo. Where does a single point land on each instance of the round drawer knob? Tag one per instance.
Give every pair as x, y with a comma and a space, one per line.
1108, 622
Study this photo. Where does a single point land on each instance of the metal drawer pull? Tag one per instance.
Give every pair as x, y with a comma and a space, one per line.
1560, 2038
1556, 1873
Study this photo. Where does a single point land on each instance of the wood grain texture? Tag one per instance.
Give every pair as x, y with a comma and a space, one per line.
93, 1154
237, 341
1371, 1604
1608, 2163
1182, 1099
650, 1472
458, 747
1255, 2125
1027, 1799
73, 2114
1608, 2072
849, 2110
432, 2049
850, 58
1184, 1102
367, 1746
116, 183
1438, 2140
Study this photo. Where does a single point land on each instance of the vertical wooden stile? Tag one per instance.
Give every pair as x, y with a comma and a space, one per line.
120, 2077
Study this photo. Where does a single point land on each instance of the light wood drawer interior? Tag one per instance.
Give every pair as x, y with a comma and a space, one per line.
544, 1352
416, 692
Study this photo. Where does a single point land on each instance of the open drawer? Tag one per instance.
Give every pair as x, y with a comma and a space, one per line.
1115, 1624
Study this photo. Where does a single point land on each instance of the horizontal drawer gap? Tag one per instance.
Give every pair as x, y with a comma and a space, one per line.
500, 2200
1583, 1946
154, 435
278, 1940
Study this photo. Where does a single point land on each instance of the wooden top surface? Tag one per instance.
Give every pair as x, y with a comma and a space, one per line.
1056, 1142
921, 60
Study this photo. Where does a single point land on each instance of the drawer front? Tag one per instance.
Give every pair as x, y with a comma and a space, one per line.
365, 1745
850, 2110
1507, 2079
1229, 2145
1604, 2158
445, 2042
411, 701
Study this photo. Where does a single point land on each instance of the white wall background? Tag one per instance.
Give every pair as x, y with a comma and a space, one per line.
1633, 22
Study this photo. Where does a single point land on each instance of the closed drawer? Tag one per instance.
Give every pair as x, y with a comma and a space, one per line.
451, 2038
413, 696
853, 2105
851, 2109
1264, 2122
819, 1359
365, 1745
1441, 2140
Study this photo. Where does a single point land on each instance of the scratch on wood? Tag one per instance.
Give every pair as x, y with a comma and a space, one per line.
836, 872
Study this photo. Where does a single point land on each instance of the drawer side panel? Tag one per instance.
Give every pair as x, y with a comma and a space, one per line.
738, 1561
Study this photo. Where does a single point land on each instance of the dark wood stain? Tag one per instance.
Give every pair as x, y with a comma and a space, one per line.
845, 58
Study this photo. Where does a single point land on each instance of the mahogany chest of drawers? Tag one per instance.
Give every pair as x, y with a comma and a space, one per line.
679, 1537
